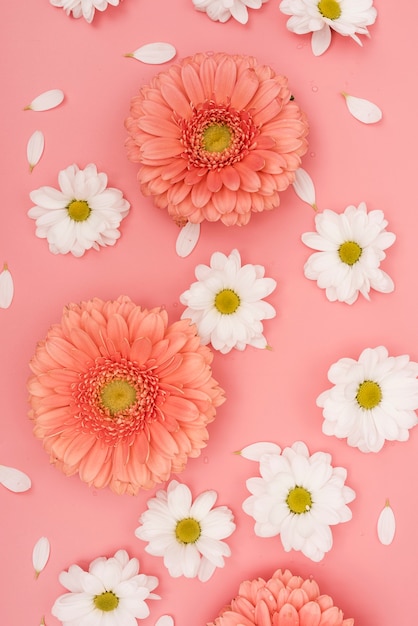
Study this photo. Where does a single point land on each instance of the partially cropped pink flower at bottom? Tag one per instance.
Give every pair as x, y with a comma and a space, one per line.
284, 600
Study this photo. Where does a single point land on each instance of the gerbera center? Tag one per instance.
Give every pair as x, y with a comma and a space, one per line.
299, 500
216, 138
118, 395
330, 9
227, 301
369, 394
78, 210
350, 252
187, 530
106, 601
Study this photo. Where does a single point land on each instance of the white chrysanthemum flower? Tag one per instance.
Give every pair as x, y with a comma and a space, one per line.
187, 533
111, 593
299, 497
83, 8
222, 10
351, 246
84, 214
346, 17
226, 303
373, 399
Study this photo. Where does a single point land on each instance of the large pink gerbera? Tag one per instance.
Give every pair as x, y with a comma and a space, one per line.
284, 600
119, 396
217, 137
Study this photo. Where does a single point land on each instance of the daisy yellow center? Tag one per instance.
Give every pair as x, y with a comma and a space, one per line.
106, 601
369, 394
187, 530
350, 252
299, 500
330, 9
216, 138
78, 210
118, 395
227, 301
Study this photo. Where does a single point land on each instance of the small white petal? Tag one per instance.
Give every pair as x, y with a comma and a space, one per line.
255, 451
14, 479
154, 53
363, 110
35, 148
304, 187
6, 288
320, 40
47, 100
40, 554
386, 525
187, 239
164, 620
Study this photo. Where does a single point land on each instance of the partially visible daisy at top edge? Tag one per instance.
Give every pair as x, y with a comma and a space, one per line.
373, 400
350, 247
346, 17
83, 8
226, 303
222, 10
84, 213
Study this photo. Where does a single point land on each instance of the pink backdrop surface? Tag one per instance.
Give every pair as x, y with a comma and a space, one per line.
270, 394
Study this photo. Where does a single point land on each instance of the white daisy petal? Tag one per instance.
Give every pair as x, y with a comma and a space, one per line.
187, 239
46, 101
40, 555
35, 148
386, 525
363, 110
321, 40
304, 187
165, 620
14, 479
255, 451
6, 287
154, 53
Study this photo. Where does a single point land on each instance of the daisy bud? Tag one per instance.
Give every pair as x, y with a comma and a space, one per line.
35, 148
386, 525
304, 187
40, 555
154, 53
187, 239
363, 110
45, 101
13, 479
6, 288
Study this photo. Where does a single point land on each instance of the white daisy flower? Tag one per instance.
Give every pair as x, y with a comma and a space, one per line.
111, 593
84, 214
373, 399
222, 10
299, 497
350, 248
346, 17
83, 8
187, 533
226, 303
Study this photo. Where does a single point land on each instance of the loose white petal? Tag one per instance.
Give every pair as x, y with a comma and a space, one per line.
35, 148
14, 479
154, 53
47, 100
40, 555
164, 620
386, 525
304, 187
187, 239
6, 288
255, 451
363, 110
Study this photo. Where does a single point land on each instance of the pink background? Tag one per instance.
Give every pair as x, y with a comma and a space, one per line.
271, 394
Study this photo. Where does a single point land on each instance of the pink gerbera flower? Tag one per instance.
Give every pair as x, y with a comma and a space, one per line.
284, 599
217, 137
119, 396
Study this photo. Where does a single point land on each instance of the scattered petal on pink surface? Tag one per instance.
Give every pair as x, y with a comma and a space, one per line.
386, 525
154, 53
14, 479
46, 100
35, 148
363, 110
40, 555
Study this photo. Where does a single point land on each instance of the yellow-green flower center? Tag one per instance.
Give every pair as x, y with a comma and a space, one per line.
299, 500
118, 395
227, 301
330, 9
187, 530
350, 252
369, 394
217, 138
106, 601
78, 210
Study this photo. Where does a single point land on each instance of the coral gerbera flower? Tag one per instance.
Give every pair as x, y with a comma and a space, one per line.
217, 137
284, 599
119, 396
